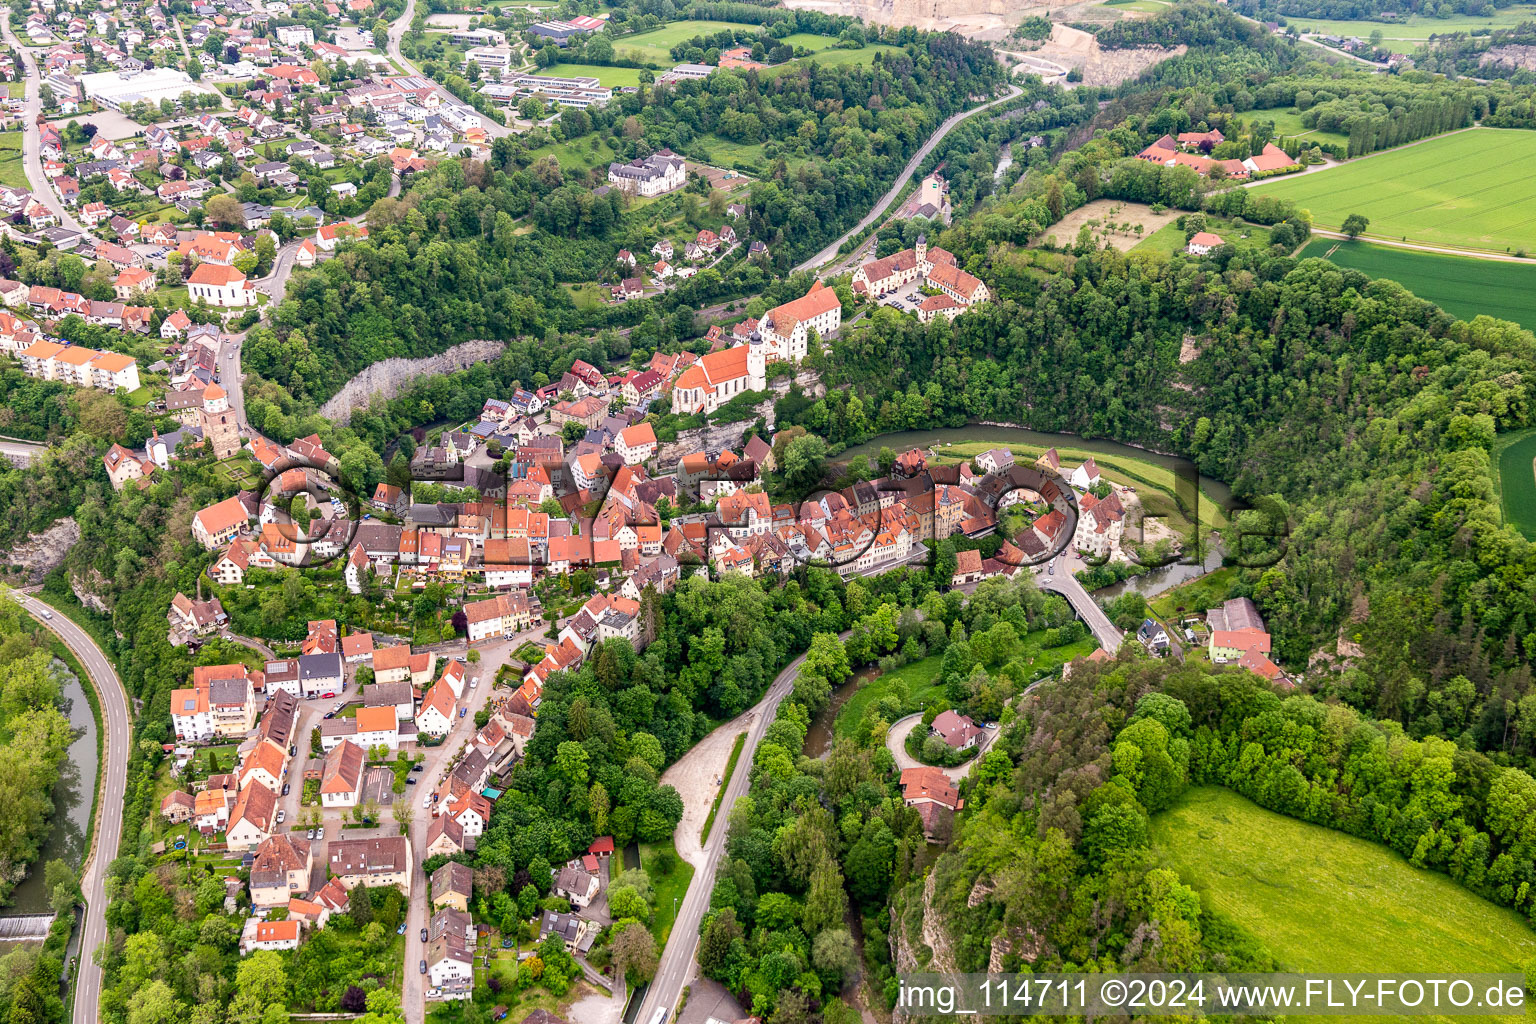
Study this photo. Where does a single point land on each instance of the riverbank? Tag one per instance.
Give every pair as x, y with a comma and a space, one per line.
1190, 496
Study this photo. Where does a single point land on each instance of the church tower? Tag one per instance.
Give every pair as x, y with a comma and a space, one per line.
757, 365
921, 252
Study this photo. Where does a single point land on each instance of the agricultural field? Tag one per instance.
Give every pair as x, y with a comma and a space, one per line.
655, 47
1463, 190
1515, 457
1461, 285
612, 78
1143, 6
1169, 239
1345, 905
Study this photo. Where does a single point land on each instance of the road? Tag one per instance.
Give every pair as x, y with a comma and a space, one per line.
1086, 607
830, 251
31, 148
481, 679
392, 49
109, 805
896, 743
1503, 257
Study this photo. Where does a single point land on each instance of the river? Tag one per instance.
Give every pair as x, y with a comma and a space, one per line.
819, 736
73, 799
975, 433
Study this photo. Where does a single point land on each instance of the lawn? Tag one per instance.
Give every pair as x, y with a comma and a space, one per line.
1169, 238
1461, 285
1515, 455
668, 887
1195, 596
1146, 6
655, 47
1321, 900
587, 296
864, 55
1288, 125
11, 171
1465, 190
921, 677
611, 78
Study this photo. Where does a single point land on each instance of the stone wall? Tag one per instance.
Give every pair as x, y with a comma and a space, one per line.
387, 377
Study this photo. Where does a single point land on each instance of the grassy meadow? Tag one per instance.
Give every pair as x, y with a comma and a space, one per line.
1324, 901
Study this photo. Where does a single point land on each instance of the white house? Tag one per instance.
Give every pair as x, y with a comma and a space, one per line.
435, 716
1086, 476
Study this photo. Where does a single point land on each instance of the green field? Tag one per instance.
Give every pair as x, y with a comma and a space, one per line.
1146, 6
1461, 285
1515, 457
1321, 900
580, 156
1170, 239
1414, 29
612, 78
655, 47
1466, 190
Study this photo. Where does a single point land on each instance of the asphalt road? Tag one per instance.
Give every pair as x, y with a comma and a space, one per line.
830, 252
677, 959
31, 150
1087, 609
392, 47
109, 806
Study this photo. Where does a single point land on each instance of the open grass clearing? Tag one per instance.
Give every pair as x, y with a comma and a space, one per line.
580, 156
833, 57
1288, 125
1467, 190
1461, 285
922, 683
1322, 900
1194, 597
1116, 468
1111, 221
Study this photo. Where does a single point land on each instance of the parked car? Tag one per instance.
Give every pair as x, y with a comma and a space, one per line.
426, 801
310, 834
282, 816
410, 781
330, 714
423, 935
286, 788
423, 966
463, 712
293, 750
400, 930
418, 767
328, 696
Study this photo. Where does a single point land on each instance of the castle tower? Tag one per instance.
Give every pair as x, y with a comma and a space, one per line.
921, 252
757, 364
218, 423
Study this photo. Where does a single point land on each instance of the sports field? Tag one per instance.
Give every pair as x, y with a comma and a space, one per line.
1466, 190
1321, 900
1460, 285
612, 78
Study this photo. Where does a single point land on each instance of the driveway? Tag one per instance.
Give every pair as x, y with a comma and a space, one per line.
896, 743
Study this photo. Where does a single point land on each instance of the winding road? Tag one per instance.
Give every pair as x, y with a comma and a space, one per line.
830, 252
109, 801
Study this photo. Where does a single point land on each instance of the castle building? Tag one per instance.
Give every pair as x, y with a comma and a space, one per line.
218, 422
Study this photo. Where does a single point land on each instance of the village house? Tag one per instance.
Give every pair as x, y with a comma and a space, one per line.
281, 868
371, 862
